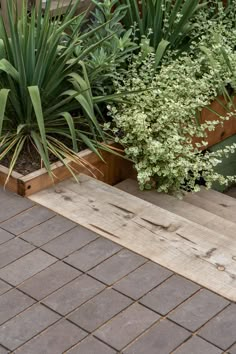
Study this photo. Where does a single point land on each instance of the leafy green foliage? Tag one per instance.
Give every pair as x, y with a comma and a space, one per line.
166, 23
45, 94
116, 45
159, 125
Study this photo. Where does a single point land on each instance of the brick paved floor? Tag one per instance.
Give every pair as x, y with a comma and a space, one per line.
65, 289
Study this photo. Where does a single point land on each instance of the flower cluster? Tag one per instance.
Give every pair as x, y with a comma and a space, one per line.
158, 122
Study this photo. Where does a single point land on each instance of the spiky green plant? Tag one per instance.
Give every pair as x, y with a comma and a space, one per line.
44, 99
167, 23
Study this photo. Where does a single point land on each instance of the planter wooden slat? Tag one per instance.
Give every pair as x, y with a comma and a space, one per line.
12, 184
112, 171
222, 131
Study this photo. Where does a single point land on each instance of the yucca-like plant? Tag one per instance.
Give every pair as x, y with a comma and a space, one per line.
45, 95
167, 23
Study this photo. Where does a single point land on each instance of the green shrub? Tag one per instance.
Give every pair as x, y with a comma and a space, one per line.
115, 49
45, 100
157, 126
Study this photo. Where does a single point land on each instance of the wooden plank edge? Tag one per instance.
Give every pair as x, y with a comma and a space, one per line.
112, 171
12, 183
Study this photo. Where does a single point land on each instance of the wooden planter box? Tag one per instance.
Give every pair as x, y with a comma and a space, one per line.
222, 131
112, 171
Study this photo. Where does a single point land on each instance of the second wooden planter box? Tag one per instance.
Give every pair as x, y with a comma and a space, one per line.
222, 131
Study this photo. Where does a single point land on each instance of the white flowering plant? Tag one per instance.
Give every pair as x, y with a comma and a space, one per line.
158, 124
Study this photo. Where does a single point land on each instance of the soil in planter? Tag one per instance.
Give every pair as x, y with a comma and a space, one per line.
28, 161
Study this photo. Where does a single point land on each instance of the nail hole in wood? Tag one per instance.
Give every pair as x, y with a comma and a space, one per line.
220, 268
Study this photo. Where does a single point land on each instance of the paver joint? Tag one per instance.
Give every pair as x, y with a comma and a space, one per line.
64, 289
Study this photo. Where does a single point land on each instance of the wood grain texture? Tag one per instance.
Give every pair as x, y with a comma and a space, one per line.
219, 206
187, 210
12, 183
192, 250
222, 131
111, 170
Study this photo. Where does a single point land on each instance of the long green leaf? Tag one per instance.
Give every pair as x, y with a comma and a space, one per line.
37, 105
3, 101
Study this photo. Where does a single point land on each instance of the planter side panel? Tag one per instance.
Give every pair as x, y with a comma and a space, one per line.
12, 183
112, 171
222, 131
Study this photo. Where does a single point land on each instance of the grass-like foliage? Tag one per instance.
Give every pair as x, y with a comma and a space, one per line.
167, 23
45, 94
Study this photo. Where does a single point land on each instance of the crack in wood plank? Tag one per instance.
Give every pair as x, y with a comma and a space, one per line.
106, 232
210, 252
121, 208
165, 227
185, 238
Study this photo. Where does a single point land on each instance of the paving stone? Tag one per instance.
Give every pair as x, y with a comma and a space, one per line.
74, 294
117, 266
5, 236
232, 350
4, 287
23, 327
162, 338
25, 267
12, 250
12, 303
93, 254
91, 345
143, 279
221, 330
56, 339
70, 242
27, 219
199, 309
13, 205
196, 345
169, 294
50, 279
3, 350
100, 309
48, 230
126, 326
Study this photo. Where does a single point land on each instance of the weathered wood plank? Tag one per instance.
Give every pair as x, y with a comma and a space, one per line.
182, 208
220, 209
218, 198
194, 251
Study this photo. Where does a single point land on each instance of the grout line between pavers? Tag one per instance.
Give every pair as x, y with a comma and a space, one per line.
147, 330
195, 333
124, 247
39, 334
23, 211
17, 259
64, 232
104, 323
133, 340
31, 243
43, 298
35, 304
57, 260
107, 287
174, 308
20, 212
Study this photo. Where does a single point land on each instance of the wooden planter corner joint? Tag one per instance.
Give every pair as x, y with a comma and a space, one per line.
112, 171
